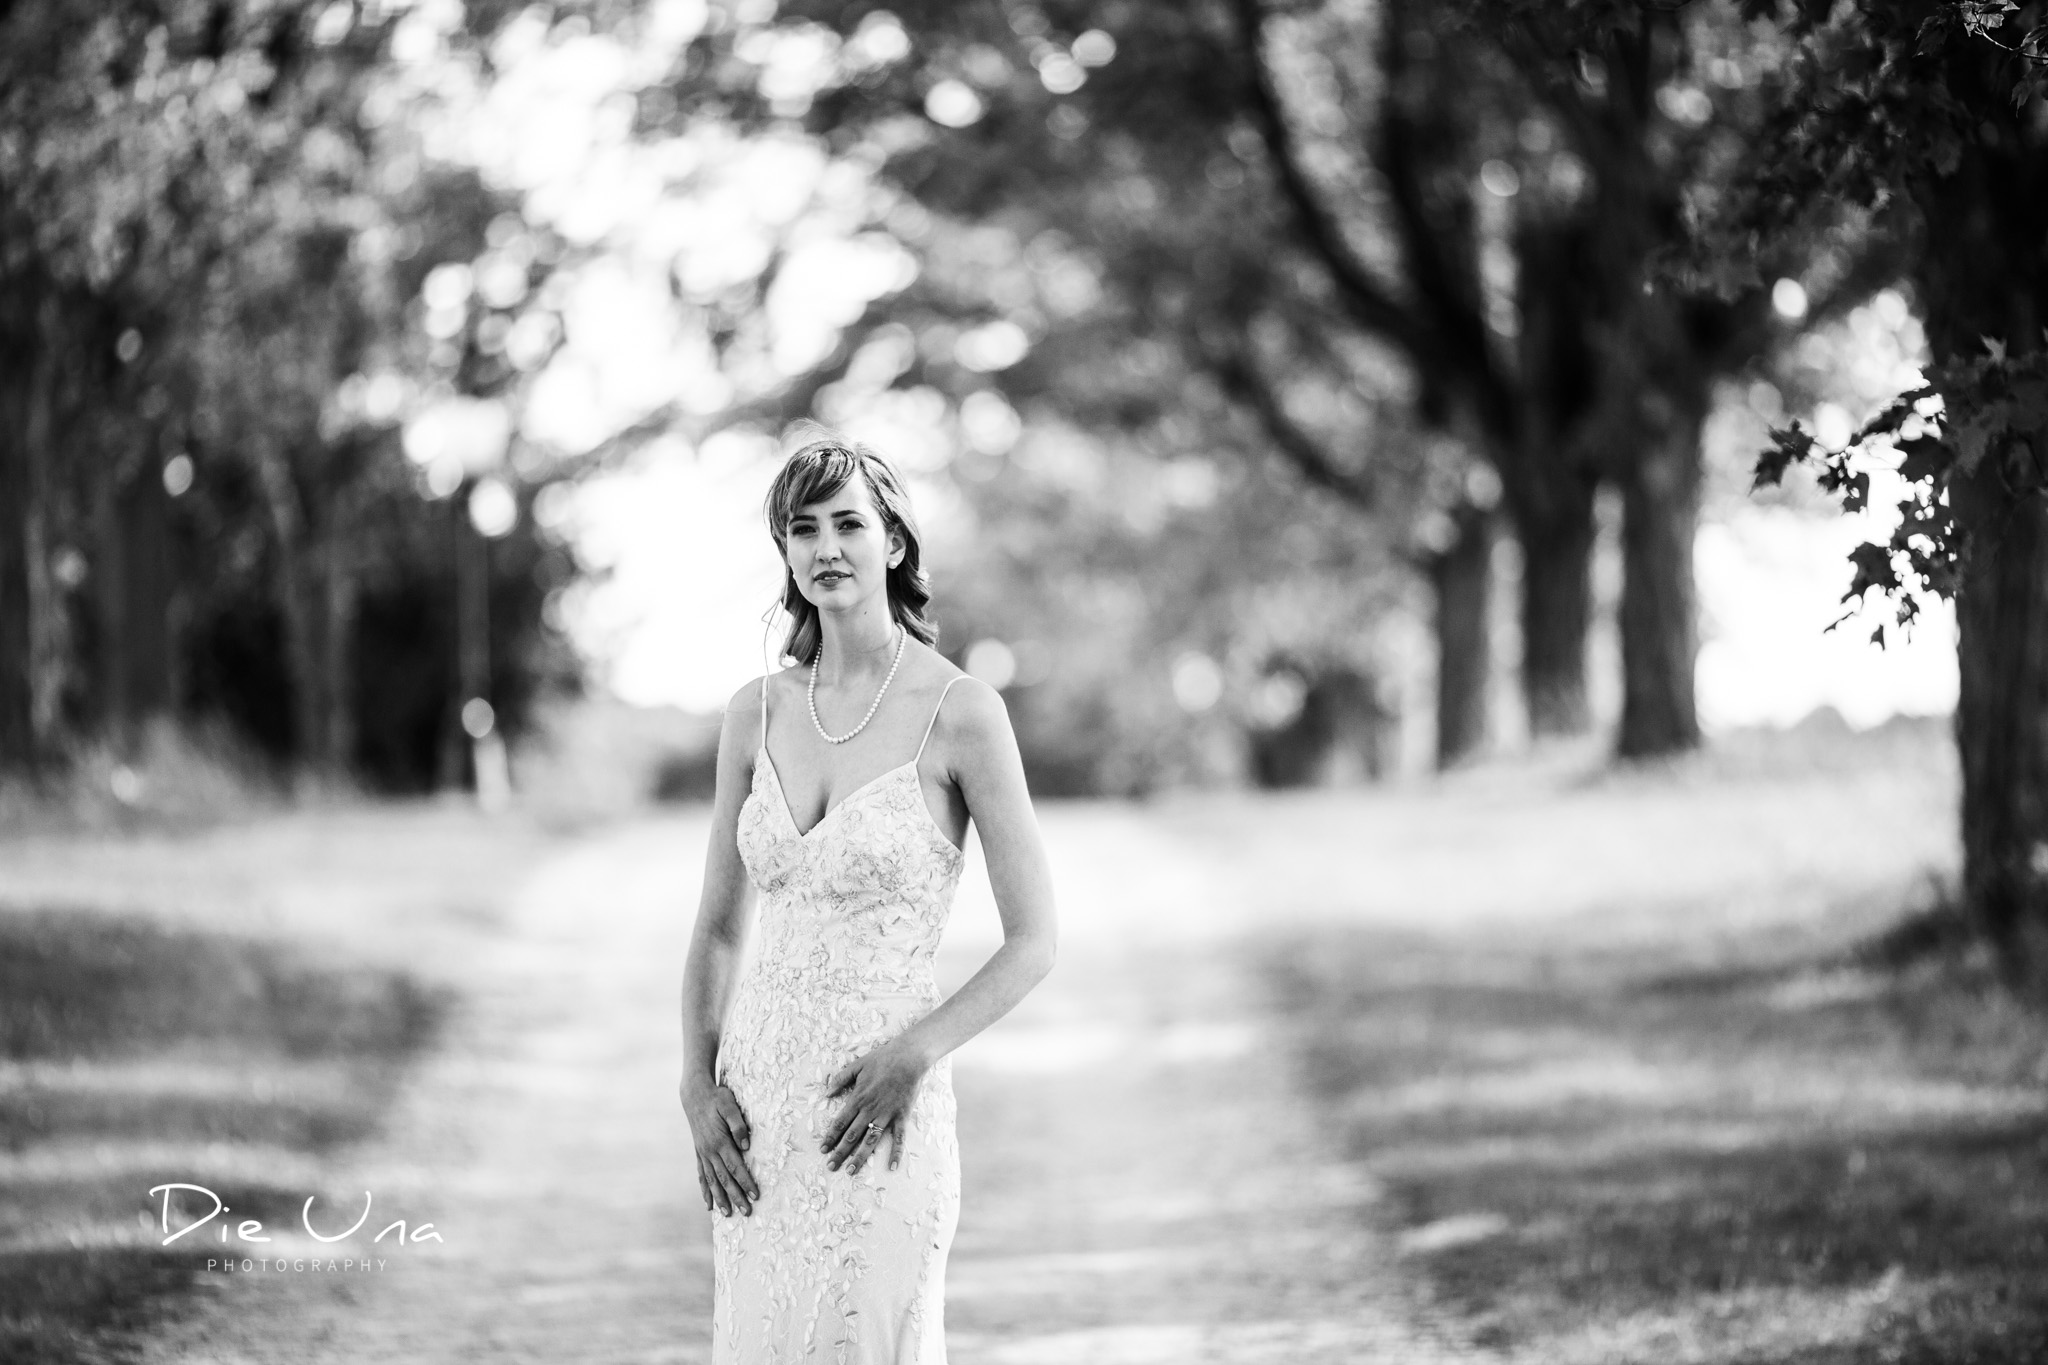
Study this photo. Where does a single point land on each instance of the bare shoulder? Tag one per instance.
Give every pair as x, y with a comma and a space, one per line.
973, 716
748, 695
743, 713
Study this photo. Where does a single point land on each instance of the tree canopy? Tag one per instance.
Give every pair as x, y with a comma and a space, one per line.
215, 227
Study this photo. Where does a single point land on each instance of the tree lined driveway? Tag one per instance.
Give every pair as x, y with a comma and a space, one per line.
1147, 1176
1140, 1185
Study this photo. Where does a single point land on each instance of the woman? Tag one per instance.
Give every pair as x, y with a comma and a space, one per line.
845, 787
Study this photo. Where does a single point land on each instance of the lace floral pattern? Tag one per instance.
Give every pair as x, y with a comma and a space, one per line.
829, 1266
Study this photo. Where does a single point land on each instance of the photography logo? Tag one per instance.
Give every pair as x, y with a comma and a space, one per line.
249, 1232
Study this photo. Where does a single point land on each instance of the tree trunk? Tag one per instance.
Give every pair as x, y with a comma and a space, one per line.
1556, 535
17, 732
48, 638
1989, 279
134, 576
2002, 723
338, 729
1659, 606
452, 766
300, 601
1462, 575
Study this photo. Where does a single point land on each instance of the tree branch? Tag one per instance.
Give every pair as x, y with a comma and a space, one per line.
1371, 306
1247, 385
1448, 285
1542, 62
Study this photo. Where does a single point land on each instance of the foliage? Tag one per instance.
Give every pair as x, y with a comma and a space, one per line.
1876, 87
1922, 114
1154, 606
1485, 220
217, 222
1109, 313
2004, 411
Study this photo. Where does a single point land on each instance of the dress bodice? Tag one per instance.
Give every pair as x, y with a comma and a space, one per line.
858, 901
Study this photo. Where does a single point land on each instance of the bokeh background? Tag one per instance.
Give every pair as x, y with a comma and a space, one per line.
1511, 536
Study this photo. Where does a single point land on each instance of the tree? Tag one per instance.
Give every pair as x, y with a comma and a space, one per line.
207, 240
1930, 113
1618, 123
1174, 618
1483, 202
1149, 216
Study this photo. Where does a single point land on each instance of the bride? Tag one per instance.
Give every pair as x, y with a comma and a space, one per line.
845, 787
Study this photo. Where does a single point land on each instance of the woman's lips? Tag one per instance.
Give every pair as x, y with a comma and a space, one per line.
829, 577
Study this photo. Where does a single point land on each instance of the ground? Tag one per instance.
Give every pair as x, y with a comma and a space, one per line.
1514, 1067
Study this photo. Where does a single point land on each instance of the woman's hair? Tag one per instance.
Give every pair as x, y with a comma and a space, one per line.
815, 472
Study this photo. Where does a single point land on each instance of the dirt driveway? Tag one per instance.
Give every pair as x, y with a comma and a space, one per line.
1146, 1176
1140, 1185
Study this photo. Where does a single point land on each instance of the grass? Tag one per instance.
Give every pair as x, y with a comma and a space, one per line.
1676, 1064
173, 777
174, 1042
75, 985
75, 1304
1624, 1153
231, 1006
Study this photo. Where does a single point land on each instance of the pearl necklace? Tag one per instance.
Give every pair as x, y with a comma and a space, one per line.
901, 636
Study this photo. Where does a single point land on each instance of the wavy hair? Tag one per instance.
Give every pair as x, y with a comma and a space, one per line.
815, 472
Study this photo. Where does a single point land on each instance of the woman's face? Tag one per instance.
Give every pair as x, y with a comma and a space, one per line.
839, 549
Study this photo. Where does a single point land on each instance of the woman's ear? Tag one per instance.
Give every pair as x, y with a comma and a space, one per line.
898, 546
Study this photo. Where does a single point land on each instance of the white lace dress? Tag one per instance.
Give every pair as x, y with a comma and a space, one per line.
831, 1266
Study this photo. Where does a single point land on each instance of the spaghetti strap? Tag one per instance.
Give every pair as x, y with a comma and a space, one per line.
933, 722
763, 747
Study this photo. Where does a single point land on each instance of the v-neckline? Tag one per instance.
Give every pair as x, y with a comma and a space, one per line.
782, 794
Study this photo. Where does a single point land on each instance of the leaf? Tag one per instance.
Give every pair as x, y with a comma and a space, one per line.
1788, 446
1873, 565
1980, 17
1927, 459
1996, 346
1877, 637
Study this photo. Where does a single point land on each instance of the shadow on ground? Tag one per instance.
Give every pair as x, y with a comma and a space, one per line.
1625, 1155
133, 1054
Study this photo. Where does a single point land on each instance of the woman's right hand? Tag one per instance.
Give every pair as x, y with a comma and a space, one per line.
719, 1130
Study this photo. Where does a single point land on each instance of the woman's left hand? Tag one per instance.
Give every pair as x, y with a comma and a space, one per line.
879, 1088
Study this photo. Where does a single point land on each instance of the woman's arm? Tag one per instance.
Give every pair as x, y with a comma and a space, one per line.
985, 764
717, 1126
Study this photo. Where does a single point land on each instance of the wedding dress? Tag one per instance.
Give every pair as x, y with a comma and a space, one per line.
830, 1266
